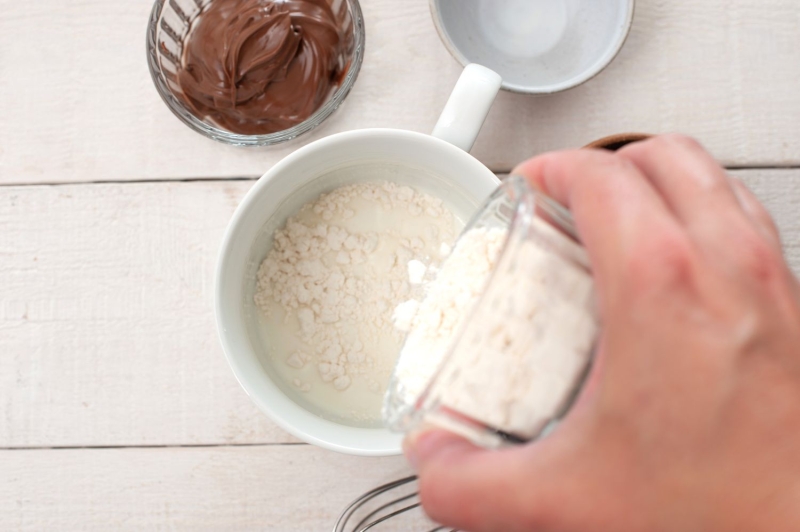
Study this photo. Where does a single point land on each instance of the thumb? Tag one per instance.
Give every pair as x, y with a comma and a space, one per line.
422, 446
481, 490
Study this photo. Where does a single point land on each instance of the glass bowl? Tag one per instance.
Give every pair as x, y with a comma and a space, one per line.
512, 365
170, 23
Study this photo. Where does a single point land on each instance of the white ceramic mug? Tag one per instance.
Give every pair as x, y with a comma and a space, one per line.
439, 164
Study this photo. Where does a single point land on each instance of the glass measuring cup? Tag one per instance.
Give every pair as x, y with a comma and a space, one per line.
502, 355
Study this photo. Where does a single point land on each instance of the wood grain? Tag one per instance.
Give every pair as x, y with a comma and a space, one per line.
283, 489
78, 103
106, 319
107, 336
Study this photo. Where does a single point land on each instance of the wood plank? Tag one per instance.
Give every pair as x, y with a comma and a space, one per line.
78, 103
106, 318
107, 334
281, 488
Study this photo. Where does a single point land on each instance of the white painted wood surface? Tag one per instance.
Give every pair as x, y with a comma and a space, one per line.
294, 488
117, 409
107, 317
107, 339
78, 103
106, 314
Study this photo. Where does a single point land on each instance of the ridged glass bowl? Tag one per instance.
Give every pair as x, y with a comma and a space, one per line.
170, 23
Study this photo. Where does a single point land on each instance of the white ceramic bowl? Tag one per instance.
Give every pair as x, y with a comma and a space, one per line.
537, 46
423, 161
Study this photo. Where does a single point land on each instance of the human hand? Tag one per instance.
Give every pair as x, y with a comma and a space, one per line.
690, 419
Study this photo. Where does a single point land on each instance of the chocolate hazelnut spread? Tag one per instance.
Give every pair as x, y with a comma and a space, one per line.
260, 66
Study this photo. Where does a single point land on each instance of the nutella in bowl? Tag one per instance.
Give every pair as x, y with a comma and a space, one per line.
255, 72
255, 66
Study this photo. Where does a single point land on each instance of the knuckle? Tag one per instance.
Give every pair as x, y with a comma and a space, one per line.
682, 140
611, 169
758, 258
768, 225
755, 209
536, 516
669, 142
663, 260
765, 218
565, 162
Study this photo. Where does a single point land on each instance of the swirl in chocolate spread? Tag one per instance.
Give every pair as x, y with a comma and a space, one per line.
261, 66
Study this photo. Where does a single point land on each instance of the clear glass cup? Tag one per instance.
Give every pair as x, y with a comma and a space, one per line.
522, 352
170, 23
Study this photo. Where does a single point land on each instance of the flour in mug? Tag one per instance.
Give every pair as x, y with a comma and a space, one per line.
328, 286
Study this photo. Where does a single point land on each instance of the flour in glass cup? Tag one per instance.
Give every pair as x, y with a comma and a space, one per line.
327, 289
518, 344
432, 323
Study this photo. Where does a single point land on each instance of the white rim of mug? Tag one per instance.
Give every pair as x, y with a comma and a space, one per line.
310, 432
598, 67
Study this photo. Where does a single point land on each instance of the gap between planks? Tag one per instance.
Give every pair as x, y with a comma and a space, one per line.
211, 179
164, 446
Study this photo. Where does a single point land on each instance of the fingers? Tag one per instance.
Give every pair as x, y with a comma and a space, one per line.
619, 215
724, 220
691, 182
756, 211
474, 489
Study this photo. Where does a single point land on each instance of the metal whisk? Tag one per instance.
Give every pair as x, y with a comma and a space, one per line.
391, 508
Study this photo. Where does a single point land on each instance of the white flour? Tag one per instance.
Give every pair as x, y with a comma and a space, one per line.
329, 284
448, 300
518, 358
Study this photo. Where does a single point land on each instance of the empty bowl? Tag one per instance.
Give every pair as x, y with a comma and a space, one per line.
537, 46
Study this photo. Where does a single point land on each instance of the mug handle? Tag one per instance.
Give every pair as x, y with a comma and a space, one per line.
467, 107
